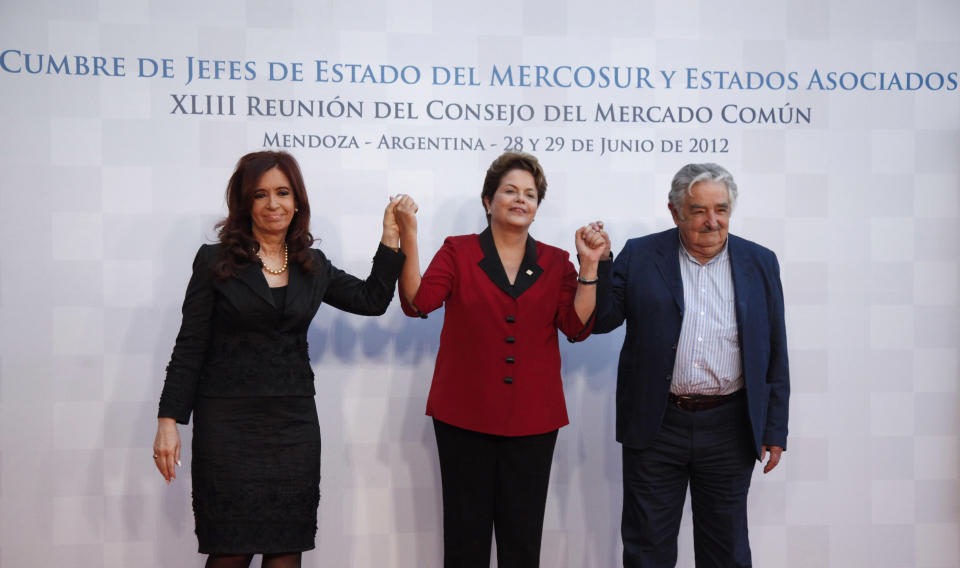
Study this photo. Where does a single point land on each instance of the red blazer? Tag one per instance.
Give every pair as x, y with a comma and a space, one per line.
498, 366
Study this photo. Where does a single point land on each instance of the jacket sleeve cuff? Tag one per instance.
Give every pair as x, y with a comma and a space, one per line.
410, 310
779, 441
181, 416
586, 330
387, 261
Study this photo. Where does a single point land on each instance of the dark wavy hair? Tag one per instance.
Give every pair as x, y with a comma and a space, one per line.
236, 231
505, 163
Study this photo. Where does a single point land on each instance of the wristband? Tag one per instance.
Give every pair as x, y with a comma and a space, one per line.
583, 280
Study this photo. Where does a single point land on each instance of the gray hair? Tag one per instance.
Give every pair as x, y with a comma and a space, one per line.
691, 174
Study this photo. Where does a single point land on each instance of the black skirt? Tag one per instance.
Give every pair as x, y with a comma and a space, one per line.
256, 474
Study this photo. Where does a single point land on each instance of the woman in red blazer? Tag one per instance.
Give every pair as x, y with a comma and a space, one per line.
497, 397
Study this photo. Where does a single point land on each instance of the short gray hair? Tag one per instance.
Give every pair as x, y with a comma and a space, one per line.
691, 174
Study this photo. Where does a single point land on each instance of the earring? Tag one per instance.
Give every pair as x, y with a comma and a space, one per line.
295, 210
489, 211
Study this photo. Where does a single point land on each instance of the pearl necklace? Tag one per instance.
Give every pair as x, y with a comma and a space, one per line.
282, 269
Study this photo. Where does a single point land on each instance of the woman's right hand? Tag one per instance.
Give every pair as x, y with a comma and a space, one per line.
406, 215
166, 448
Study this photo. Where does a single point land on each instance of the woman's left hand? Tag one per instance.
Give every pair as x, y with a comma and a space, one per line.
166, 448
592, 242
391, 230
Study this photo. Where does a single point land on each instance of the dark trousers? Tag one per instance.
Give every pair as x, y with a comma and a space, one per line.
712, 451
493, 482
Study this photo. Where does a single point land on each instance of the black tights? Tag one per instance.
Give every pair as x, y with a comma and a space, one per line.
291, 560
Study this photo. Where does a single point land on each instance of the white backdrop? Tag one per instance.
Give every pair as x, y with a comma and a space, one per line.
111, 181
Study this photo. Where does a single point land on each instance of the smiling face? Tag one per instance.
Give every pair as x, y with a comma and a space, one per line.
704, 219
273, 204
514, 203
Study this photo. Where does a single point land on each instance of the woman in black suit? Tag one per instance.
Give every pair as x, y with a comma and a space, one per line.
240, 365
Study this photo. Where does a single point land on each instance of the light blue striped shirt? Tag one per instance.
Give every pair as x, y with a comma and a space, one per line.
708, 353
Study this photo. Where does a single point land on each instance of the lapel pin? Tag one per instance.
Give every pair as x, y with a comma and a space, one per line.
529, 272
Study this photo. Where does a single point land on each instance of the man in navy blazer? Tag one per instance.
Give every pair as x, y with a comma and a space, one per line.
702, 382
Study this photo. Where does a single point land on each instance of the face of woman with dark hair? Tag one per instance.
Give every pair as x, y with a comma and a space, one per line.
273, 204
514, 204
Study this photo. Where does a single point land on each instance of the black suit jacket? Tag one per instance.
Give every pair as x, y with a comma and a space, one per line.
647, 292
235, 342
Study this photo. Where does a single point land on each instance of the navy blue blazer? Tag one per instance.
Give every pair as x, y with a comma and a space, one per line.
645, 289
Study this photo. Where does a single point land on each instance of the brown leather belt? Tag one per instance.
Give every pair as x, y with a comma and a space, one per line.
695, 402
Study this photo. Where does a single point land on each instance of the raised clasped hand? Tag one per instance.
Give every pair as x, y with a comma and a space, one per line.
598, 227
593, 243
405, 212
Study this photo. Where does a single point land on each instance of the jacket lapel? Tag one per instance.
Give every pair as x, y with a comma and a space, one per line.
668, 263
529, 269
491, 265
252, 276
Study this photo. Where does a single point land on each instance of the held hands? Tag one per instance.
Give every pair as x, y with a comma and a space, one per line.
593, 243
166, 448
406, 214
398, 218
598, 227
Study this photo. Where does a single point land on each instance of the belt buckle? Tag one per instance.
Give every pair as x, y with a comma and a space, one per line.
682, 399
